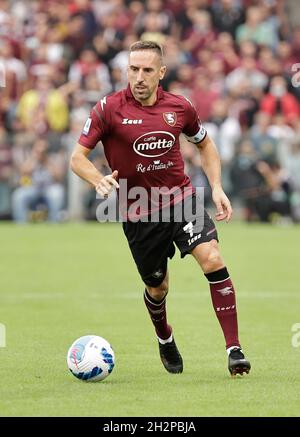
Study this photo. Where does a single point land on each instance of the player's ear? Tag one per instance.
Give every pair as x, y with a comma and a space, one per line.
162, 72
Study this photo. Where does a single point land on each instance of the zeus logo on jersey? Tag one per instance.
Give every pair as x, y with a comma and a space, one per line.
154, 144
86, 127
127, 121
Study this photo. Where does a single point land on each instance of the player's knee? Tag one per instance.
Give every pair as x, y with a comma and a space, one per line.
213, 260
160, 291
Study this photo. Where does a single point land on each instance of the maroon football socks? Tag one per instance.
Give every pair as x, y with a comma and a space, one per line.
158, 314
224, 303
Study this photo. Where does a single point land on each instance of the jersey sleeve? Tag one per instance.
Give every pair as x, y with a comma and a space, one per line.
193, 129
96, 126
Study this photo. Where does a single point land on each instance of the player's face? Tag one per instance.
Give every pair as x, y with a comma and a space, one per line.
144, 73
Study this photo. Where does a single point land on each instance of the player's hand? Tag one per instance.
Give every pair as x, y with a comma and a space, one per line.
107, 184
223, 205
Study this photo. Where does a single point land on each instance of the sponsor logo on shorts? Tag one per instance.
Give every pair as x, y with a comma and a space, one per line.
189, 229
158, 274
153, 144
195, 238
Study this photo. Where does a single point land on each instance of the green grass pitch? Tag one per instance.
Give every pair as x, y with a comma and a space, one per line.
59, 282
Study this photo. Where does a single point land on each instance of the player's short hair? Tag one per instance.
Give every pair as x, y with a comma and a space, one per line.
147, 45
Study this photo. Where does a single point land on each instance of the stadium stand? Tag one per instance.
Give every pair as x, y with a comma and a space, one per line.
236, 60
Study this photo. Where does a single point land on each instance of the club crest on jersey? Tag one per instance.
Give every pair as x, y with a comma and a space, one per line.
170, 118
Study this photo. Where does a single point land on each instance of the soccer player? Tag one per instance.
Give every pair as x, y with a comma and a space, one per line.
139, 128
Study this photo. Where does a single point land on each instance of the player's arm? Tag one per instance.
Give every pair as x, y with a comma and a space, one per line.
210, 159
84, 168
211, 165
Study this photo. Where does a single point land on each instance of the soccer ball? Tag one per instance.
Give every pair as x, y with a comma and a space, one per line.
91, 358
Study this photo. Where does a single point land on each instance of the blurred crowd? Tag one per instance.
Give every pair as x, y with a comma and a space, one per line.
238, 61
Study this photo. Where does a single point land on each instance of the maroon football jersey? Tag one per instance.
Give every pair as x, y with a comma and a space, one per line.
142, 142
